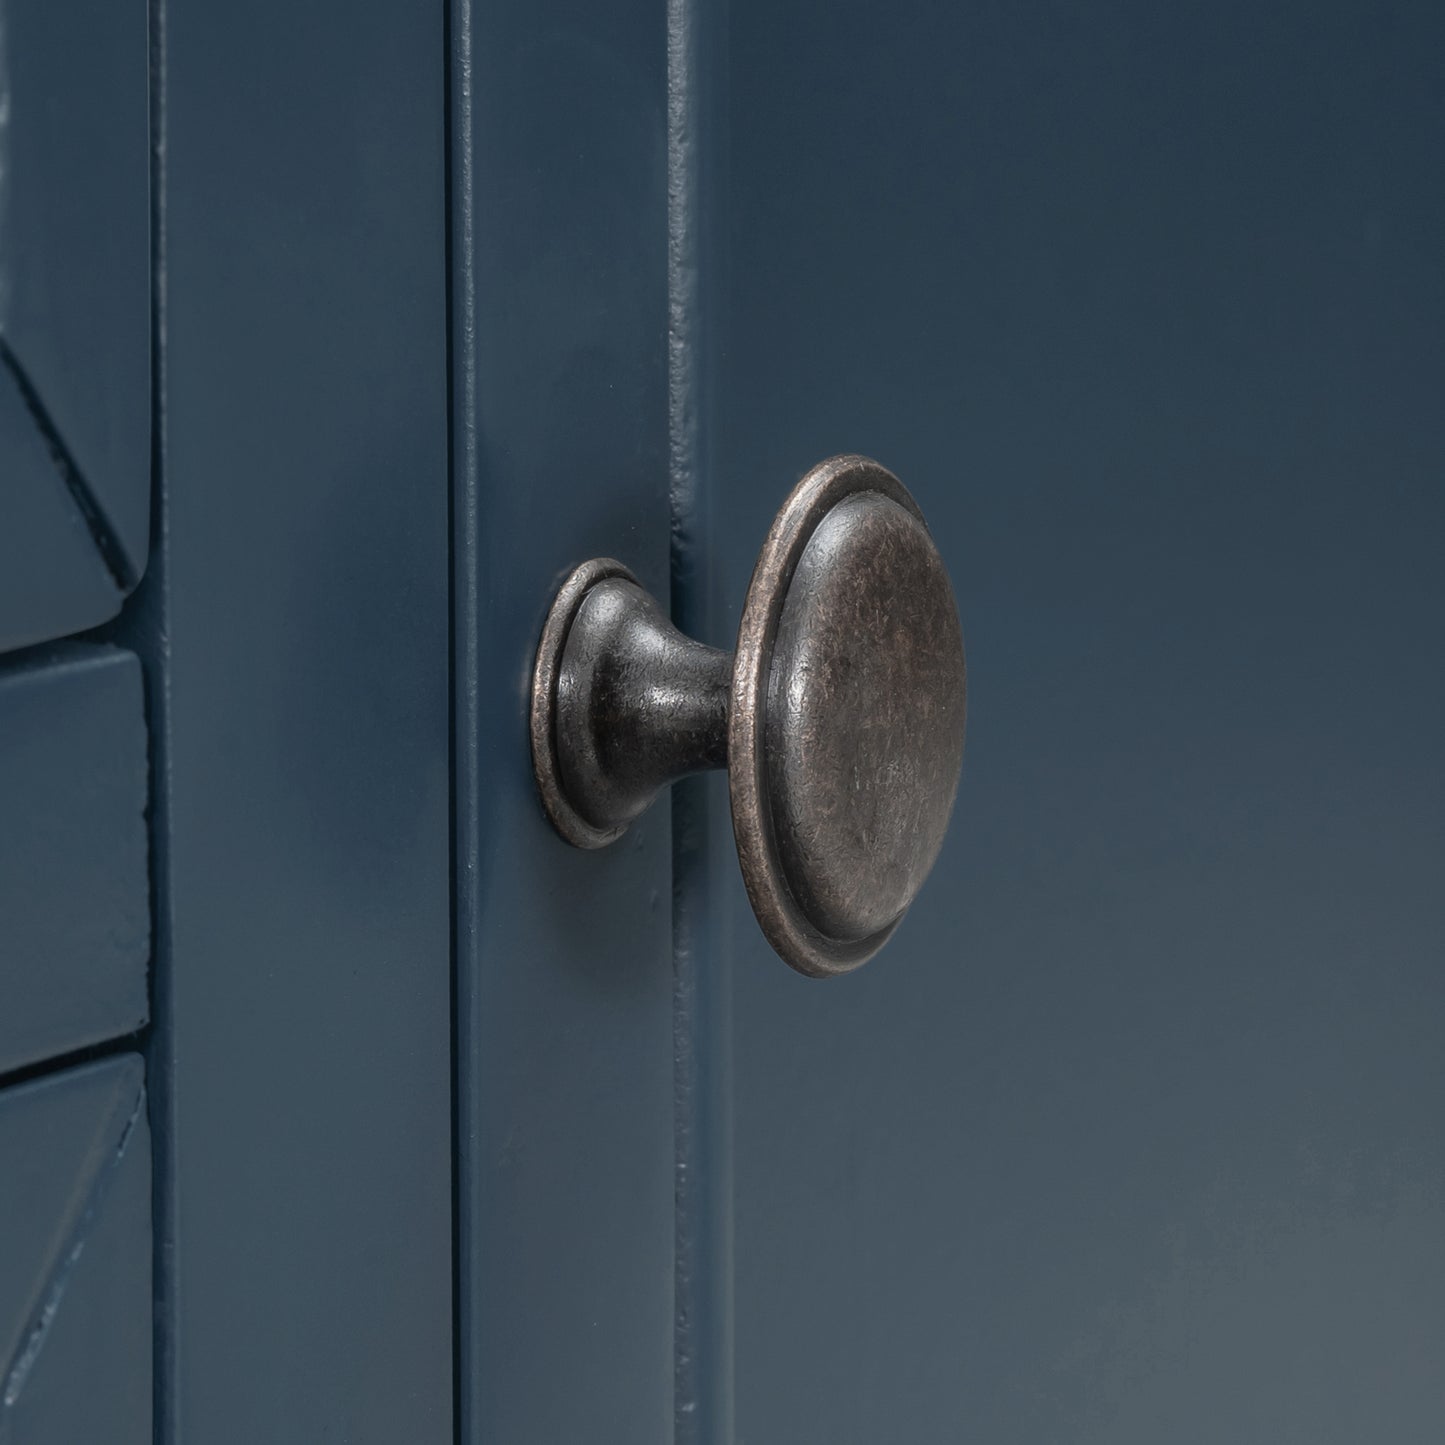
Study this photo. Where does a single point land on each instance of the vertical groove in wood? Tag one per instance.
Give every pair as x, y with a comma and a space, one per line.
149, 614
702, 845
465, 684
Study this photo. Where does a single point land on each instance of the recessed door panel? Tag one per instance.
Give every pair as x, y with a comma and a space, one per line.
1134, 1131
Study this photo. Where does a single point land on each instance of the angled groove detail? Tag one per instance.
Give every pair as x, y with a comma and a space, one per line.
98, 1052
107, 543
32, 1341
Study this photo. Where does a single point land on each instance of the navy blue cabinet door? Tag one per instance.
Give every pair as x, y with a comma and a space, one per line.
1134, 1131
341, 1099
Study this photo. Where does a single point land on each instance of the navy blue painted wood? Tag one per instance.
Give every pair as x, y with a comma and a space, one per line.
75, 273
304, 1026
1134, 1132
565, 984
75, 1258
74, 885
53, 580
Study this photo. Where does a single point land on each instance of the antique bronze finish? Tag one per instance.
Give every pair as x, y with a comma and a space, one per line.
839, 717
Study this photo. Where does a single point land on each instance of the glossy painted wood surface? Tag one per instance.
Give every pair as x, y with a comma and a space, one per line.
304, 1002
75, 1257
1134, 1131
74, 867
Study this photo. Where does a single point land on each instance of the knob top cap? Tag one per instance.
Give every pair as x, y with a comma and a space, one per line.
847, 716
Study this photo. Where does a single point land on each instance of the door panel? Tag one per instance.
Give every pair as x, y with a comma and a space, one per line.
74, 875
1133, 1133
75, 279
75, 1257
565, 1046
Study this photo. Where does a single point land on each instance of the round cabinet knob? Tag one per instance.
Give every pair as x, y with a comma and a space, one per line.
839, 717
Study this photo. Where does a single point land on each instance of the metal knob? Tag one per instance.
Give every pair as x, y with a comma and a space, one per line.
839, 718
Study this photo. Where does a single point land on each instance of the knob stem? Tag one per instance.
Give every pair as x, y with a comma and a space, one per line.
639, 705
